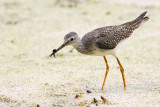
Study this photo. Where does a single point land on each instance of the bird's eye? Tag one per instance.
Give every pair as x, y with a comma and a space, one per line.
71, 39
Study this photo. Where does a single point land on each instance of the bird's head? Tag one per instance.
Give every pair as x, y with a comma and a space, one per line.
70, 39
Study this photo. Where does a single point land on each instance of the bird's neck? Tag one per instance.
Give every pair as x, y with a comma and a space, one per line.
80, 47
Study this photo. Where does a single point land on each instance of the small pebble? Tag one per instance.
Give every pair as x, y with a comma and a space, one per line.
88, 91
95, 100
104, 100
76, 96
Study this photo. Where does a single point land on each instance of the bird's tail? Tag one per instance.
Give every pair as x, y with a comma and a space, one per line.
145, 19
139, 20
142, 17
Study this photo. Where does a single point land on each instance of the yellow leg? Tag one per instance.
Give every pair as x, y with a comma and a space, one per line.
122, 71
107, 69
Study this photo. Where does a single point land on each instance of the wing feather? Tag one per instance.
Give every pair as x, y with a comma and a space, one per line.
109, 38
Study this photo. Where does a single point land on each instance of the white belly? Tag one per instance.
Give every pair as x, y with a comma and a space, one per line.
99, 52
103, 53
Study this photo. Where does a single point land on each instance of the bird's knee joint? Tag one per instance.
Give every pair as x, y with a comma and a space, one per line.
122, 69
107, 69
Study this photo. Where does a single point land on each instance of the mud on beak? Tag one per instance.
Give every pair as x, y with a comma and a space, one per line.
62, 46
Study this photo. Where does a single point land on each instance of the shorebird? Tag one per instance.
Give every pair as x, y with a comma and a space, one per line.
103, 41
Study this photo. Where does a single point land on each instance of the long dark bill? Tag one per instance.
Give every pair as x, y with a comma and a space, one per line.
56, 50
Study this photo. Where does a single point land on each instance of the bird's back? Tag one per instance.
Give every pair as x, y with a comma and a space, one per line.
108, 37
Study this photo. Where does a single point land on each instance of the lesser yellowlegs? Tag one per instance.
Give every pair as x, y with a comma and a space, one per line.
103, 41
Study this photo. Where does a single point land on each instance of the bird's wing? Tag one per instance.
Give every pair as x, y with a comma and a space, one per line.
109, 37
90, 38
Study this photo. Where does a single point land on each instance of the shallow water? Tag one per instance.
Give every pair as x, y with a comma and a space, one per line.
29, 31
